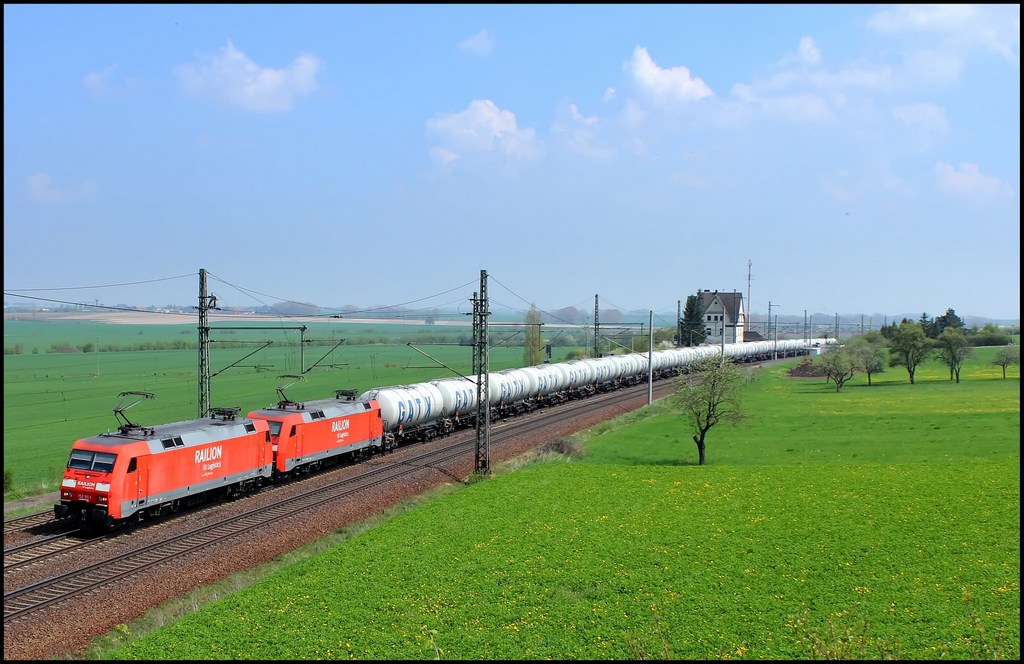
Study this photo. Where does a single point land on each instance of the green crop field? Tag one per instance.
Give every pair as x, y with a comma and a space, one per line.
53, 398
879, 522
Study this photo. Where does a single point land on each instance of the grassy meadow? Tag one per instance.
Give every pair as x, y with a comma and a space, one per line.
878, 522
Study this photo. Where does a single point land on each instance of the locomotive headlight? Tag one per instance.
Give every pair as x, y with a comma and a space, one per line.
70, 484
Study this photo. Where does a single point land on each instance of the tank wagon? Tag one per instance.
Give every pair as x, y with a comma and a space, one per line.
425, 410
140, 472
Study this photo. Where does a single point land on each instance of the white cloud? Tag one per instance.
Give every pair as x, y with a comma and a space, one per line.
42, 190
633, 116
231, 77
443, 156
927, 120
922, 17
800, 106
98, 83
483, 128
665, 85
581, 133
609, 95
932, 66
967, 181
482, 43
961, 28
808, 51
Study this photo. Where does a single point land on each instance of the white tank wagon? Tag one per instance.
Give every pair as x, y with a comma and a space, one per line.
580, 373
605, 371
629, 368
458, 395
408, 408
551, 380
505, 387
528, 378
424, 410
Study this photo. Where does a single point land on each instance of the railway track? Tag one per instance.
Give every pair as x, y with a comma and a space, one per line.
28, 522
26, 600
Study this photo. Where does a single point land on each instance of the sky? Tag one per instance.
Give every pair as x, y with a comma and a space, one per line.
821, 158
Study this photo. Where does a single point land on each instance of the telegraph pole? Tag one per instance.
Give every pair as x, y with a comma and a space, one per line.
746, 319
597, 331
480, 367
650, 362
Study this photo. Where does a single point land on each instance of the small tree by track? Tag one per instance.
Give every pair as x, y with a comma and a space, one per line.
708, 394
839, 364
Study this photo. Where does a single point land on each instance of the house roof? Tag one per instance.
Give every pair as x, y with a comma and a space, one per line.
730, 301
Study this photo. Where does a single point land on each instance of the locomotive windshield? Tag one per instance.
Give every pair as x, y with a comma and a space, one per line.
102, 462
275, 427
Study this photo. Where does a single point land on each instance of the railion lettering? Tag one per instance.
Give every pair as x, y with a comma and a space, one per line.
209, 454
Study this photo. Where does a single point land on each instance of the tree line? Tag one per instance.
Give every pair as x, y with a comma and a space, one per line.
909, 343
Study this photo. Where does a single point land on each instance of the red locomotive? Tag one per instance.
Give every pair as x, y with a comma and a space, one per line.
138, 472
305, 435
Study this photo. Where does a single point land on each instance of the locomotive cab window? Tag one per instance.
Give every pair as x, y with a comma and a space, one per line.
275, 427
132, 465
102, 462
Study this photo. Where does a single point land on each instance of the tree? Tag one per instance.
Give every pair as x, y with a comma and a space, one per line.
839, 363
928, 325
691, 329
1007, 356
952, 348
708, 394
869, 353
989, 335
948, 320
533, 348
908, 346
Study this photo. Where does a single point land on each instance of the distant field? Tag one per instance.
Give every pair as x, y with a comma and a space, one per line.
879, 522
53, 398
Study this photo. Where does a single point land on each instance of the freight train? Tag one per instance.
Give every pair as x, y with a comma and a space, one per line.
139, 473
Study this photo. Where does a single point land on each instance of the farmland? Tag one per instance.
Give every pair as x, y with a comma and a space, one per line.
878, 522
65, 381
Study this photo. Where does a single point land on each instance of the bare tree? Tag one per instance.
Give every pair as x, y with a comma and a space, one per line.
1007, 356
708, 394
952, 348
840, 365
869, 351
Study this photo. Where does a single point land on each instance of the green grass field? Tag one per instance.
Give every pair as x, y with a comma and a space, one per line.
879, 522
53, 398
